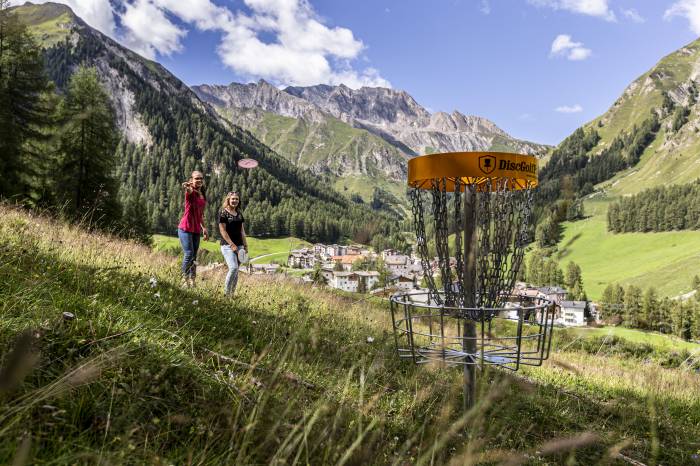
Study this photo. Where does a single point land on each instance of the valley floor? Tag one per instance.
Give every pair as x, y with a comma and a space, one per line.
667, 260
142, 371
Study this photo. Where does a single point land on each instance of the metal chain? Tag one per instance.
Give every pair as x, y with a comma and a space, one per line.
422, 242
501, 229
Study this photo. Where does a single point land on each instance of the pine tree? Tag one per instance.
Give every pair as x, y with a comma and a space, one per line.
362, 285
88, 140
23, 109
650, 317
134, 220
317, 274
607, 302
632, 307
574, 281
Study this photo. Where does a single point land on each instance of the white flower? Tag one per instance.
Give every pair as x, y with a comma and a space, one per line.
157, 295
370, 339
153, 282
195, 302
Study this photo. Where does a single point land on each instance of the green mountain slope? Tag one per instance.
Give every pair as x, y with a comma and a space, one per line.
328, 146
51, 22
669, 260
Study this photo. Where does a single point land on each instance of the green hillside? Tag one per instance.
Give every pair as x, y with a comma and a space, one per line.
668, 260
329, 146
50, 23
142, 371
280, 247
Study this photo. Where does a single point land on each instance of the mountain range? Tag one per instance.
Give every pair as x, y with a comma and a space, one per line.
368, 133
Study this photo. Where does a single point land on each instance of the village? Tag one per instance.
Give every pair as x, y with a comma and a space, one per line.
357, 269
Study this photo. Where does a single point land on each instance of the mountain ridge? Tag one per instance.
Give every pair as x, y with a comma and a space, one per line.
168, 131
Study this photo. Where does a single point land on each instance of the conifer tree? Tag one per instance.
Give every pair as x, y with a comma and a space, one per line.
607, 302
632, 307
23, 110
574, 281
650, 310
88, 139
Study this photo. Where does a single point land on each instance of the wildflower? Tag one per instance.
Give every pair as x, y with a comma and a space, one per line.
153, 282
370, 339
255, 322
157, 295
195, 302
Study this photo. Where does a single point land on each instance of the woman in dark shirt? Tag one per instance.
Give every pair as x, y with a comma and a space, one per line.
232, 237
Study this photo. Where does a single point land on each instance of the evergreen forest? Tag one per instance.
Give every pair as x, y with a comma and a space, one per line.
664, 208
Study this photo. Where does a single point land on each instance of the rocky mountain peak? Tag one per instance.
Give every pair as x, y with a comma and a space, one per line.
260, 95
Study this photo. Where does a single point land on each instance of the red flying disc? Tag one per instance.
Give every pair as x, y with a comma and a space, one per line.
247, 163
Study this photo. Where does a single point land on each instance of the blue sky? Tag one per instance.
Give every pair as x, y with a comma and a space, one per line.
537, 68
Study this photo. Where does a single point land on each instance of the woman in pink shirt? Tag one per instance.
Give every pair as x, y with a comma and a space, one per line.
191, 225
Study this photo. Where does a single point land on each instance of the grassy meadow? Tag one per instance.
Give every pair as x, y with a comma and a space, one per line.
276, 249
141, 371
666, 260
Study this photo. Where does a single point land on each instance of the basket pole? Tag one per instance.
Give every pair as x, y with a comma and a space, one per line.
469, 277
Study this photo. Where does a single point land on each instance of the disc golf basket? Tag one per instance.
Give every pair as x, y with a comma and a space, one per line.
474, 207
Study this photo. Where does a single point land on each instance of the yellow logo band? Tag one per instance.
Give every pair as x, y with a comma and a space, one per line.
517, 170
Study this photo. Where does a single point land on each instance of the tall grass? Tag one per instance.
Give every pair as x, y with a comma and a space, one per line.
142, 371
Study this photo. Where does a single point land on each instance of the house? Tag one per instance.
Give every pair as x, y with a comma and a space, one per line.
397, 264
572, 314
346, 261
370, 279
327, 273
319, 248
336, 250
346, 281
554, 293
301, 259
389, 252
265, 268
404, 282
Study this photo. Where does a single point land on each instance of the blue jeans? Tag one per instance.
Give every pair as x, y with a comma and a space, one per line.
231, 259
190, 246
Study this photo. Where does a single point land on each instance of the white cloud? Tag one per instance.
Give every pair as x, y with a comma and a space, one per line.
485, 7
688, 9
564, 46
569, 109
282, 41
633, 15
597, 8
149, 30
304, 50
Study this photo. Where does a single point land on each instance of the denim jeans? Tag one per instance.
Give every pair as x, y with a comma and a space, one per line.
231, 259
190, 246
